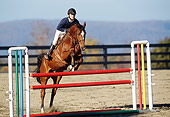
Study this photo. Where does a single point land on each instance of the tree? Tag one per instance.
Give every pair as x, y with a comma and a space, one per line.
40, 33
161, 57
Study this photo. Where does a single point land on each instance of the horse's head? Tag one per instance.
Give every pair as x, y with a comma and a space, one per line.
79, 33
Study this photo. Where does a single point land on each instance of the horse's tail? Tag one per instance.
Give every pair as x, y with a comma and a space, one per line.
37, 70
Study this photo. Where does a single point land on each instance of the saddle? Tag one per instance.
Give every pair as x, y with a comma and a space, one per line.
62, 35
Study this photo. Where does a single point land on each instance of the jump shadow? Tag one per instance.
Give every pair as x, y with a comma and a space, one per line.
129, 107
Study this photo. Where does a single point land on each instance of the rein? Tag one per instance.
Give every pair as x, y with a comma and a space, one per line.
63, 40
66, 36
76, 39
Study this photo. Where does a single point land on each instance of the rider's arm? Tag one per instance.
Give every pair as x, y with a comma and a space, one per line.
61, 25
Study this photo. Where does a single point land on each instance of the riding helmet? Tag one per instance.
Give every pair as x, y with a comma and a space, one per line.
72, 11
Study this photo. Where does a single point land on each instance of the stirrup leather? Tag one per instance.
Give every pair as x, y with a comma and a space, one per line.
48, 55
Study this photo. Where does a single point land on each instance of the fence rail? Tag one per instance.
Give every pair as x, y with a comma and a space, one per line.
104, 54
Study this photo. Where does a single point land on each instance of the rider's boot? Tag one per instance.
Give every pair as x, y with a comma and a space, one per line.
48, 55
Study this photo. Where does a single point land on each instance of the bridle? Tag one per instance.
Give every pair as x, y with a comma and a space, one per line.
76, 39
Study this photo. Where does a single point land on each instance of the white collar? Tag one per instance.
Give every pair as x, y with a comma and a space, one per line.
70, 20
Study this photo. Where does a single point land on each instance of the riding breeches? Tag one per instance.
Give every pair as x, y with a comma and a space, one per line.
58, 34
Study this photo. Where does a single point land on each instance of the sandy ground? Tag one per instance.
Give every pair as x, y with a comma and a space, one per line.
96, 97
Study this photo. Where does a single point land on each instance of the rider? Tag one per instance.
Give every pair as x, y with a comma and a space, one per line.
62, 27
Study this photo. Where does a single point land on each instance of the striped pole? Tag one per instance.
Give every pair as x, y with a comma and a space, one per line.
10, 92
133, 76
139, 77
143, 77
149, 74
81, 84
85, 113
57, 113
21, 83
10, 70
27, 84
150, 92
80, 72
17, 81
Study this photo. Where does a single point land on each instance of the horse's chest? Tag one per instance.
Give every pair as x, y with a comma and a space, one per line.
57, 65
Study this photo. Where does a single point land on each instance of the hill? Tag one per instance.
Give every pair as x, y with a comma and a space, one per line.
18, 33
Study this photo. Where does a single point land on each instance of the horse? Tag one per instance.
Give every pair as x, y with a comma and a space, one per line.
64, 56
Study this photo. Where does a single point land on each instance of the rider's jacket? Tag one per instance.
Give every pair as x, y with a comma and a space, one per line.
65, 24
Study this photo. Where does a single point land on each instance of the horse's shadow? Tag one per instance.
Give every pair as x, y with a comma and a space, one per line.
161, 105
156, 107
131, 106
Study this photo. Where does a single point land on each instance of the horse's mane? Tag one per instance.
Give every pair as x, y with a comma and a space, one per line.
73, 28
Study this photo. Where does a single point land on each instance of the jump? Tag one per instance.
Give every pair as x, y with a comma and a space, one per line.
66, 53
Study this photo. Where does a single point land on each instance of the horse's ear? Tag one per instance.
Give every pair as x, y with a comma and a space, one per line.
84, 24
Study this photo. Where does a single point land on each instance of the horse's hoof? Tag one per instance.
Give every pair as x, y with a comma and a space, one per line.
42, 110
70, 68
52, 109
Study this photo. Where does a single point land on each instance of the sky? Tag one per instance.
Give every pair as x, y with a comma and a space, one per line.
91, 10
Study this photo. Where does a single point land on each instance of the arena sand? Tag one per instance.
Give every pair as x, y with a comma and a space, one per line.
96, 97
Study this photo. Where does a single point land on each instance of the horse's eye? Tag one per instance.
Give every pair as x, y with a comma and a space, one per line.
79, 32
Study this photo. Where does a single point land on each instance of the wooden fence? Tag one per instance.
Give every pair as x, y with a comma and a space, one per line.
105, 52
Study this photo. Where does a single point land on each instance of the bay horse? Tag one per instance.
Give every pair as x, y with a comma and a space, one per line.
67, 52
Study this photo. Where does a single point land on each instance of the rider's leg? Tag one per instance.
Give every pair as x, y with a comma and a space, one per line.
48, 55
51, 49
53, 44
57, 35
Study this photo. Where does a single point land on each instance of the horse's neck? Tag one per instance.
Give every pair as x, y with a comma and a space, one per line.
67, 41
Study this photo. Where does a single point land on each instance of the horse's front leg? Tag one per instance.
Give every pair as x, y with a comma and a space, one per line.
80, 61
56, 80
71, 67
53, 92
43, 82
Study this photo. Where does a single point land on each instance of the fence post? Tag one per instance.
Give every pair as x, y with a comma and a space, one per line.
105, 57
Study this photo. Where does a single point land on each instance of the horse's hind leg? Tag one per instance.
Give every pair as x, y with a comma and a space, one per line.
56, 81
53, 92
43, 82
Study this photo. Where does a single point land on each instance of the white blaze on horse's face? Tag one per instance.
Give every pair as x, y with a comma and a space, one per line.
83, 34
